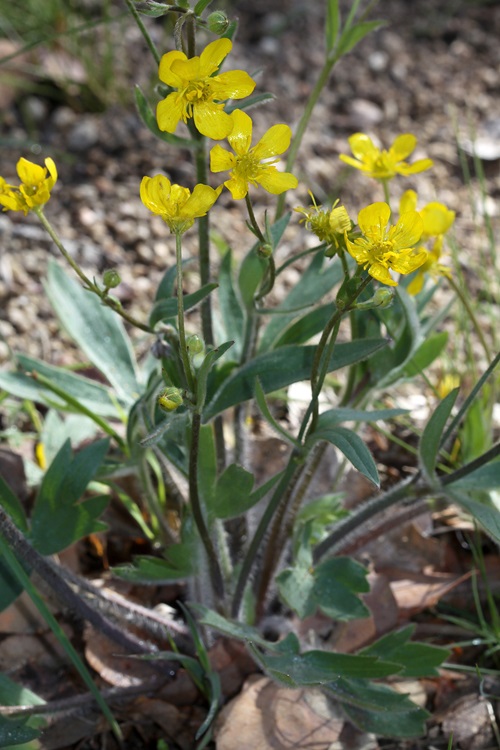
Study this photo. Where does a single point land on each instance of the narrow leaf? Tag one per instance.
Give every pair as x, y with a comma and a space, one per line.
352, 36
231, 311
167, 308
353, 448
430, 441
332, 23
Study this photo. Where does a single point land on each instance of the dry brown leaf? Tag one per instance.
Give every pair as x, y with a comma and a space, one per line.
266, 716
415, 595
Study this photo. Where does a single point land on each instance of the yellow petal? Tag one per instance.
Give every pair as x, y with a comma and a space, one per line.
237, 186
52, 170
380, 272
408, 202
407, 231
155, 193
418, 166
187, 70
373, 219
221, 160
165, 73
211, 120
277, 182
29, 173
235, 84
339, 220
274, 142
356, 249
240, 136
169, 112
353, 162
437, 218
403, 146
201, 200
213, 55
409, 262
416, 284
362, 146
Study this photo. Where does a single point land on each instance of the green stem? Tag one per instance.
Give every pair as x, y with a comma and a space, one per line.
213, 564
87, 283
485, 458
261, 531
253, 220
143, 30
387, 195
304, 122
186, 363
470, 312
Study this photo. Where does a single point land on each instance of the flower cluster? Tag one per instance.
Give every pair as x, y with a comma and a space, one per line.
34, 190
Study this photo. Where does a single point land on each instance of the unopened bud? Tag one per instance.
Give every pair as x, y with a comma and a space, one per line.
170, 399
265, 251
111, 278
217, 22
195, 344
382, 298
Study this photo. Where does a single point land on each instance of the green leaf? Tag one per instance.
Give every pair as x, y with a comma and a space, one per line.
282, 367
96, 329
430, 440
417, 659
12, 505
332, 587
333, 417
485, 478
250, 102
10, 588
318, 279
487, 515
164, 309
303, 329
322, 667
332, 23
231, 311
266, 413
89, 393
15, 732
204, 370
234, 506
12, 694
149, 120
150, 570
353, 448
426, 353
378, 709
200, 6
58, 519
252, 268
355, 34
232, 492
408, 335
207, 463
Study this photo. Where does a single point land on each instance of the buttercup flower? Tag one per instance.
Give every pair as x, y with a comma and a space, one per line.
437, 219
382, 164
201, 94
177, 206
35, 187
246, 164
384, 247
329, 225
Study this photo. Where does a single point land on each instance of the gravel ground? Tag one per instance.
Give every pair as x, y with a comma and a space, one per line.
433, 72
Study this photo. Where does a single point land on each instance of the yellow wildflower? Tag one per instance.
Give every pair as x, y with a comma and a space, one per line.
382, 164
246, 164
383, 247
447, 383
329, 225
437, 219
177, 206
35, 187
201, 94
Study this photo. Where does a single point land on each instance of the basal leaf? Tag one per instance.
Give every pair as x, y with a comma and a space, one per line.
232, 492
96, 329
282, 367
417, 659
150, 570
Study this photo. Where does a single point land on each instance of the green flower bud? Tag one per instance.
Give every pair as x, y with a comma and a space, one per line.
195, 344
217, 22
265, 251
111, 278
382, 298
170, 399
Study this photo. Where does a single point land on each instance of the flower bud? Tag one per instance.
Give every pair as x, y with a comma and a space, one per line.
195, 344
111, 278
170, 399
265, 251
217, 22
382, 298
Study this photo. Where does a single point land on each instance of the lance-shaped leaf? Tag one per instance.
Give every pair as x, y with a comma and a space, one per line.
164, 309
353, 448
430, 441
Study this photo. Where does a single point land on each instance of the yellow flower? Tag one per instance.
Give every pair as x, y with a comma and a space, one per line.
35, 187
177, 206
380, 163
329, 225
201, 94
437, 219
246, 163
383, 247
